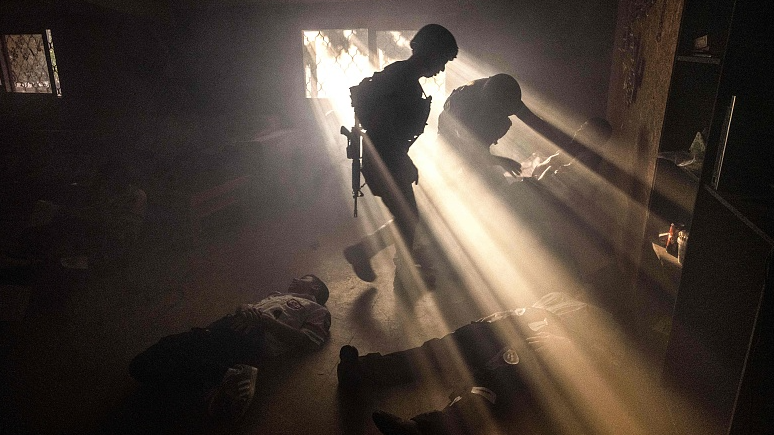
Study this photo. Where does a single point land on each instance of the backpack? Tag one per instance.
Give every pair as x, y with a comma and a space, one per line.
364, 100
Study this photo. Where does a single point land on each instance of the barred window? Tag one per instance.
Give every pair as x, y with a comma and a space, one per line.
336, 59
28, 64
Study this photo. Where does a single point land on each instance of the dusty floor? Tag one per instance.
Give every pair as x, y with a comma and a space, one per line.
65, 363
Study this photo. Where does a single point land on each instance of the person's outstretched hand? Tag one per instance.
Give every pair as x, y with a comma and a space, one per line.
514, 167
509, 165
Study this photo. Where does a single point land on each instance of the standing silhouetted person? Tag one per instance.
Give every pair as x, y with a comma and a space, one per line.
393, 110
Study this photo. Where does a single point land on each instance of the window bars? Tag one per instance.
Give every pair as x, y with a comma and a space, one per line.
28, 62
335, 59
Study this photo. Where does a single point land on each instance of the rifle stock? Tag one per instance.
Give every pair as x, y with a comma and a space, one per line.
354, 152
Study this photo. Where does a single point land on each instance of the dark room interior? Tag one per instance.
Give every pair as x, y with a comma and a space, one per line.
224, 117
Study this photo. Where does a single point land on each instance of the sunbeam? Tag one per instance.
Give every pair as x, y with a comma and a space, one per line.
490, 236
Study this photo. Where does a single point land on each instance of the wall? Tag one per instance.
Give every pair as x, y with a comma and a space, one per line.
106, 60
251, 55
221, 60
645, 43
109, 64
191, 77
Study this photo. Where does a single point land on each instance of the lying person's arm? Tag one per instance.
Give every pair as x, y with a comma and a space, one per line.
552, 164
542, 127
254, 317
310, 335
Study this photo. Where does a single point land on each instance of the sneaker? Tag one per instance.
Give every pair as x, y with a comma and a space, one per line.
234, 394
360, 261
390, 424
348, 371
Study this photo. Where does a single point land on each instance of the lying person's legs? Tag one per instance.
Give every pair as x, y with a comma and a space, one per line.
203, 362
180, 361
465, 414
493, 359
455, 356
476, 411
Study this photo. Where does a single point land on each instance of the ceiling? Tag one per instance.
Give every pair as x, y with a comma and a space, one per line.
140, 6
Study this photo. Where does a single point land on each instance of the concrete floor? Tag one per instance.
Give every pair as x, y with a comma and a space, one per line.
65, 363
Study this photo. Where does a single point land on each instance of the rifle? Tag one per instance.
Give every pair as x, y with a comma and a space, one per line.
354, 152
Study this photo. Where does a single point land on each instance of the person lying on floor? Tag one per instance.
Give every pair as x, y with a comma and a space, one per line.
220, 362
547, 366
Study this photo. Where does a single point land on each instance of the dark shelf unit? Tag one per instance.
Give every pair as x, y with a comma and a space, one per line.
690, 108
719, 348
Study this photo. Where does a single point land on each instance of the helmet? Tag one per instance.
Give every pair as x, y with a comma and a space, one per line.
435, 38
504, 90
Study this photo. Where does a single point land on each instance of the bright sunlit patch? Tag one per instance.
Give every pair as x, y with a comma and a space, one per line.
333, 59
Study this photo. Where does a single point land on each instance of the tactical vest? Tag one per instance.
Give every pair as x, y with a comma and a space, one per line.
368, 97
